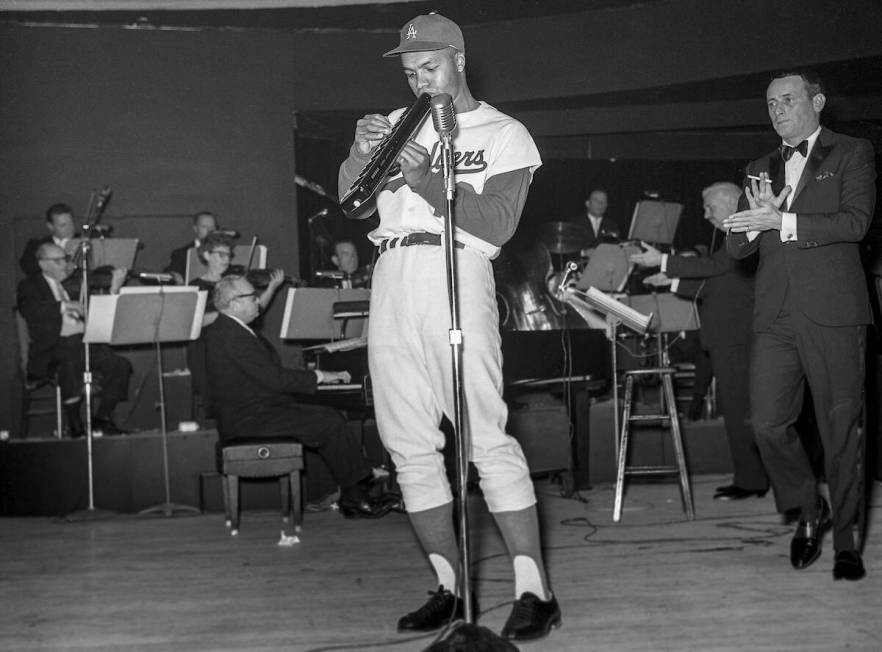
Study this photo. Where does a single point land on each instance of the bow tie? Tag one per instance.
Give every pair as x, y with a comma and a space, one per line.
787, 151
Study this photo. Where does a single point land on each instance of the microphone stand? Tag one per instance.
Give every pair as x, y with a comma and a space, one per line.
90, 513
461, 437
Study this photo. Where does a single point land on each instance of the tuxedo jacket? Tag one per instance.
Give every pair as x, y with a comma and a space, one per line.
609, 230
246, 379
821, 270
723, 287
42, 312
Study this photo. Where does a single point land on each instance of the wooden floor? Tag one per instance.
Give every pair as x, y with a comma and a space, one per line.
652, 582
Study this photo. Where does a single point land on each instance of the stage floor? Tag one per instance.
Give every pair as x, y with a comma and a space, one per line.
651, 582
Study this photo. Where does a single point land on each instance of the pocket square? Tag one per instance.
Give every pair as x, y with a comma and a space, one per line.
823, 175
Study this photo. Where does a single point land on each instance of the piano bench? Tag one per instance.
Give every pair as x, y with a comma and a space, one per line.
263, 459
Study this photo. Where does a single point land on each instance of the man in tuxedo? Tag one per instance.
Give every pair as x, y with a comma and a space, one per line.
809, 204
203, 224
724, 288
252, 395
600, 227
347, 273
55, 330
62, 229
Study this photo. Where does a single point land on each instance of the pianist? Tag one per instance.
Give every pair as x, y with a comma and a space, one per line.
253, 395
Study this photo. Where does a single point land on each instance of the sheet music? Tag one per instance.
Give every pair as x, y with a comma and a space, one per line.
145, 314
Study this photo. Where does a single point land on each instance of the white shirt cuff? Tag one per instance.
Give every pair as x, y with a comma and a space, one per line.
788, 227
664, 263
319, 376
675, 283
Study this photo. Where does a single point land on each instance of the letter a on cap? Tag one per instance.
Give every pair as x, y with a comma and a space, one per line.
411, 32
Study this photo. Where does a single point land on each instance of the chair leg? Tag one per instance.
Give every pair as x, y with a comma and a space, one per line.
59, 428
285, 492
232, 494
294, 481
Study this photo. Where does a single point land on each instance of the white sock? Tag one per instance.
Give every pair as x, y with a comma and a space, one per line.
528, 578
445, 573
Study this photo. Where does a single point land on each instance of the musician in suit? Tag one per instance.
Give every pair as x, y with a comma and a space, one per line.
724, 289
809, 204
408, 342
348, 274
55, 329
203, 224
62, 231
600, 227
253, 396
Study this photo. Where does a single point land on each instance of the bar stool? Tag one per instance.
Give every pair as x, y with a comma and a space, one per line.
263, 459
666, 416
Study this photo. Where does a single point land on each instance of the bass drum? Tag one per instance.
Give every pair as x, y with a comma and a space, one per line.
521, 290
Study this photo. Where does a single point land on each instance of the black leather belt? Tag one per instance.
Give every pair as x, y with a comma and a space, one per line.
415, 239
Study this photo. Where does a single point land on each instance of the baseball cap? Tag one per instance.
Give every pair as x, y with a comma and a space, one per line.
429, 32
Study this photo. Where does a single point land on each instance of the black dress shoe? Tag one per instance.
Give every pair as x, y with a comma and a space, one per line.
734, 492
531, 618
442, 607
805, 547
848, 566
364, 508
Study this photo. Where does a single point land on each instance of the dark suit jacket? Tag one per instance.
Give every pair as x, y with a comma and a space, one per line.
42, 312
724, 289
246, 378
178, 260
609, 230
834, 202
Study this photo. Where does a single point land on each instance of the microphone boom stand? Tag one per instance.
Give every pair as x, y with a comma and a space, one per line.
90, 513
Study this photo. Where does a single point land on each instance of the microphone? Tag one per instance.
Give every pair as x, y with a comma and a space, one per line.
158, 277
321, 213
443, 116
232, 233
327, 273
303, 182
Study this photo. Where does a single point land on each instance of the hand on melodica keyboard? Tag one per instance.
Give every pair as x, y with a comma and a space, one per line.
369, 131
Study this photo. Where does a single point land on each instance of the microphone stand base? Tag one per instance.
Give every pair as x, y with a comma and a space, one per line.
469, 636
89, 514
169, 509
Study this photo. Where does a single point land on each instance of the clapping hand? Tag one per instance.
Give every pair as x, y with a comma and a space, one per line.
764, 213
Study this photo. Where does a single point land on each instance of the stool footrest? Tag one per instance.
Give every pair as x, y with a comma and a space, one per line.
652, 470
649, 417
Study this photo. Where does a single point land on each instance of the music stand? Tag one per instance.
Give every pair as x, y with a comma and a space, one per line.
149, 314
116, 252
655, 221
196, 268
608, 268
309, 313
671, 314
617, 313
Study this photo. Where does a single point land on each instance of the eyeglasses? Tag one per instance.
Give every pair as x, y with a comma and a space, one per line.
57, 258
250, 295
222, 254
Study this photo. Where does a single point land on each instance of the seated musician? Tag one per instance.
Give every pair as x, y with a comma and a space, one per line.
62, 231
203, 224
600, 227
55, 329
348, 273
253, 396
216, 251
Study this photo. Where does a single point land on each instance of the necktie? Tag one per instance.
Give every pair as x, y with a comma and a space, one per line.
787, 151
